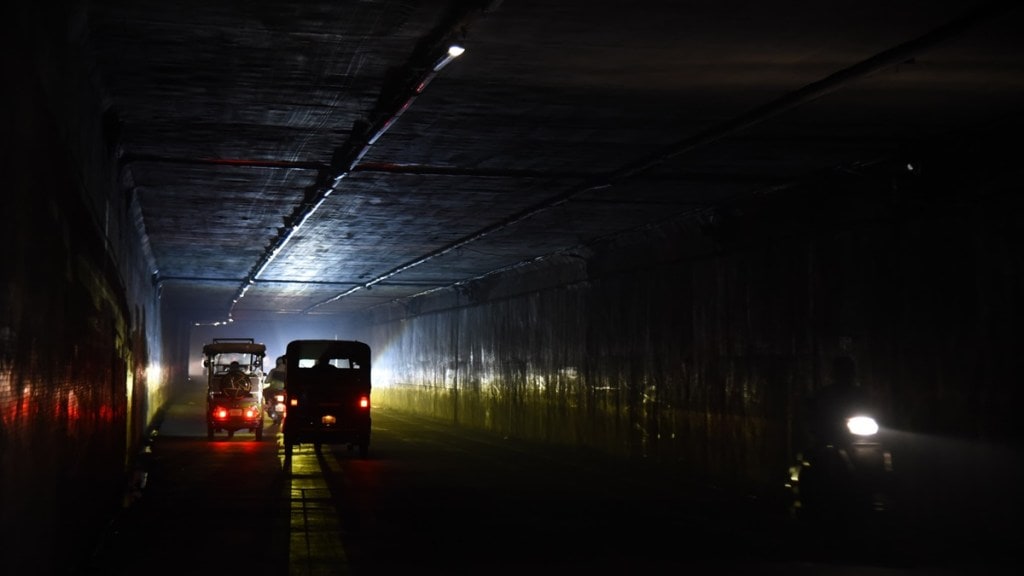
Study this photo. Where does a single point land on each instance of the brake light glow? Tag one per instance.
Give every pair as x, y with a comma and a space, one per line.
364, 401
220, 413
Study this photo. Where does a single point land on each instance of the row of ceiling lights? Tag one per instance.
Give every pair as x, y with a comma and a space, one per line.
451, 53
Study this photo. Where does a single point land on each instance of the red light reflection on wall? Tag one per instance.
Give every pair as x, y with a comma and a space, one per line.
25, 407
106, 413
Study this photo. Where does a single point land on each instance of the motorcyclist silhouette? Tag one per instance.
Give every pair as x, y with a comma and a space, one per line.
841, 467
276, 377
827, 411
275, 386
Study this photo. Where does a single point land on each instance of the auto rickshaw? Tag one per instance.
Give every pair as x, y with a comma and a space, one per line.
234, 399
327, 394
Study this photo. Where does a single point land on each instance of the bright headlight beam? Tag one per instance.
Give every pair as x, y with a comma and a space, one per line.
862, 426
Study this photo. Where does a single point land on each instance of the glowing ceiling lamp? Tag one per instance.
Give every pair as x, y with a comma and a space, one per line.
454, 51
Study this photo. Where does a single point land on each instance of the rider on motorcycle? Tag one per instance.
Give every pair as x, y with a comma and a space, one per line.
842, 464
275, 385
827, 411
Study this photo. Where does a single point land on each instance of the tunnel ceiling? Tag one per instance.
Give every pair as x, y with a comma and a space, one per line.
323, 157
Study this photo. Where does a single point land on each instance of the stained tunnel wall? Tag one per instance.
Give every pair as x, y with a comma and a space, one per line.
693, 343
687, 344
79, 319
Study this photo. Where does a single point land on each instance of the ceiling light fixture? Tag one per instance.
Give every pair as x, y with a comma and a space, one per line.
454, 51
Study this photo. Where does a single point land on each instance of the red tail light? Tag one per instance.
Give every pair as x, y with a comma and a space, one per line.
220, 413
364, 401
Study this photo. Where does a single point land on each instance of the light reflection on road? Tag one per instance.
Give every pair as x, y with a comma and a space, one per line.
315, 547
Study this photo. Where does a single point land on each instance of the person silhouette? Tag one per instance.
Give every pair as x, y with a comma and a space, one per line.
828, 410
235, 382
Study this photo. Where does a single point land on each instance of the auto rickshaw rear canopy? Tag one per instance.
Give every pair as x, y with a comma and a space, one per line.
237, 345
352, 354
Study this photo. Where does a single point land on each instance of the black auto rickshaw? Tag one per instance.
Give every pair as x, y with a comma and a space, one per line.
327, 392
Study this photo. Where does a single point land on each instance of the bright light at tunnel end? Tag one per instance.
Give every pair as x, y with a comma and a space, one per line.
154, 373
382, 377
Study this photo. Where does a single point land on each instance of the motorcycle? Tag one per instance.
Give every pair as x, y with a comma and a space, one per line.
274, 405
846, 476
273, 394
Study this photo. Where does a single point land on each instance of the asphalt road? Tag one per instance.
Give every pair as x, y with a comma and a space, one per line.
437, 499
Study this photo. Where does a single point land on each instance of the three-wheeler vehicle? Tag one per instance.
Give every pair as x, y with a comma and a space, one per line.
327, 394
234, 382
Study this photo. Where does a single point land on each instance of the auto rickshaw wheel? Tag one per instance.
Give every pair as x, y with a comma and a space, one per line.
235, 384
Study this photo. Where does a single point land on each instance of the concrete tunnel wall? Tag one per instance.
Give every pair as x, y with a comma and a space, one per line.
691, 344
686, 344
79, 318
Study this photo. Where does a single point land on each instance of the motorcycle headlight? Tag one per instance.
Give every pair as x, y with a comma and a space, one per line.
862, 426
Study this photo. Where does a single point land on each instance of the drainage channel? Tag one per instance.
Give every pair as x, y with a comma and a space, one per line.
315, 546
